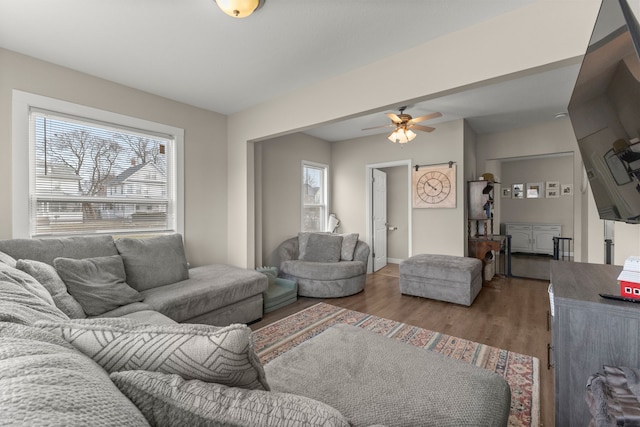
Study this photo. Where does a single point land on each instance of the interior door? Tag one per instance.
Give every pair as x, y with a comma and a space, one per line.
379, 198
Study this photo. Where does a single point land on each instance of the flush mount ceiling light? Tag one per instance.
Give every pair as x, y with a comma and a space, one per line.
239, 8
404, 124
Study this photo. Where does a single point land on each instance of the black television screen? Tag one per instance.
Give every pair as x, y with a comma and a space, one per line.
605, 112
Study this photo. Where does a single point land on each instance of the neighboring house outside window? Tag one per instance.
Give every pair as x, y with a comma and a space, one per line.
314, 196
89, 171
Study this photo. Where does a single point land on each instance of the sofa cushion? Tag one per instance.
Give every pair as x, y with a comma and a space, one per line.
323, 248
208, 288
7, 259
349, 242
168, 400
46, 250
203, 352
98, 284
323, 270
154, 261
45, 381
48, 276
17, 305
28, 282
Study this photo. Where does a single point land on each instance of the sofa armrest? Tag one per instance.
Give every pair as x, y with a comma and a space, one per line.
286, 251
361, 253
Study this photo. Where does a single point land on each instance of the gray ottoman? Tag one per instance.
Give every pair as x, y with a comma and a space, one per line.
375, 380
442, 277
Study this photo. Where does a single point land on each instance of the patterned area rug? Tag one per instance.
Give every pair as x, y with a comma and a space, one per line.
520, 371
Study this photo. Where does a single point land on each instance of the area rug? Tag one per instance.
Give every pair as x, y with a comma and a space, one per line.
520, 371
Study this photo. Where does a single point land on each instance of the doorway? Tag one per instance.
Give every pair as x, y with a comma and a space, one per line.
393, 227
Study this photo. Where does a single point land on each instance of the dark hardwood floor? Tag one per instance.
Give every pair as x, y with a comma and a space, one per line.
509, 313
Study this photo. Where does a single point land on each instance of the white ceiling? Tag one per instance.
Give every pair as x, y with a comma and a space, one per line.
191, 52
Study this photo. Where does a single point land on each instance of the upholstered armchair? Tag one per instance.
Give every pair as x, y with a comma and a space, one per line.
324, 265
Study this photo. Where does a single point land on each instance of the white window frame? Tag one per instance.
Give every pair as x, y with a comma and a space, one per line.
21, 168
325, 183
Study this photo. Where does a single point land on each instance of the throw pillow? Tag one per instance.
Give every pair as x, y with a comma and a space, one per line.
48, 276
154, 261
323, 248
46, 382
98, 284
303, 240
28, 283
168, 400
349, 242
7, 259
208, 353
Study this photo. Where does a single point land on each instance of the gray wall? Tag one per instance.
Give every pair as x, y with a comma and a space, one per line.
280, 183
205, 143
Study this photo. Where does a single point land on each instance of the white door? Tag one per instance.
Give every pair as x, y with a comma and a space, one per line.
379, 210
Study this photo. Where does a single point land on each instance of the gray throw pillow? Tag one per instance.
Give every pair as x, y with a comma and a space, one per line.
169, 400
98, 284
46, 382
48, 276
28, 282
203, 352
7, 259
154, 261
303, 240
349, 242
323, 248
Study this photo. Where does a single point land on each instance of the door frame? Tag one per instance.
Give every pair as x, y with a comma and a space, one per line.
369, 204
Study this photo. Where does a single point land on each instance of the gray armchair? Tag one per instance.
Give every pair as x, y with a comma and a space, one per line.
323, 279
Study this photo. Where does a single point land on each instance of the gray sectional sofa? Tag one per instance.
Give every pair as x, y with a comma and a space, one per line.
157, 269
143, 368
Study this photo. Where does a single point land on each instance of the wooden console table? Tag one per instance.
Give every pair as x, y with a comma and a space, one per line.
588, 331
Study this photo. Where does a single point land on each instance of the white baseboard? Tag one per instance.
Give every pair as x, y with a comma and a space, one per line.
394, 260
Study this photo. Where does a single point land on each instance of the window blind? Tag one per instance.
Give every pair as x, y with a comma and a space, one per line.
88, 176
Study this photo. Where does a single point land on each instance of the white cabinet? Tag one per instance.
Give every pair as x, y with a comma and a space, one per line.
533, 238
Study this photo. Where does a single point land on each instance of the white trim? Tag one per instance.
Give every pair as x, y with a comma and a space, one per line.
325, 192
368, 207
394, 260
23, 101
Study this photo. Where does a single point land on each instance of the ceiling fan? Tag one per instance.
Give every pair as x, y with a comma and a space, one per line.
405, 124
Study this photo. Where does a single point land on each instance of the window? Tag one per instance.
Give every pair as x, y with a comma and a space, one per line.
314, 196
89, 171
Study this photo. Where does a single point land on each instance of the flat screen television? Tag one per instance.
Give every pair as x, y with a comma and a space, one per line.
605, 112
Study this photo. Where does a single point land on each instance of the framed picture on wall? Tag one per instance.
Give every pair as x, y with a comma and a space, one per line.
506, 193
534, 190
552, 193
553, 185
517, 191
567, 190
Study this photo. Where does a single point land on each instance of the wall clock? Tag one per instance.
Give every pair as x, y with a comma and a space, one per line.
434, 186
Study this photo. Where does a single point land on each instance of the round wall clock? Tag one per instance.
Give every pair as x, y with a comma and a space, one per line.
434, 186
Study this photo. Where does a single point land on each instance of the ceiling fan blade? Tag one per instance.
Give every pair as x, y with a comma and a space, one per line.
378, 127
427, 117
422, 128
394, 118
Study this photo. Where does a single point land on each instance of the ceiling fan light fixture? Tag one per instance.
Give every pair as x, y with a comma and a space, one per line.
238, 8
402, 136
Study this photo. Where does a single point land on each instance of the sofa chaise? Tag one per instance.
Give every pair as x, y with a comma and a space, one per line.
157, 269
324, 265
